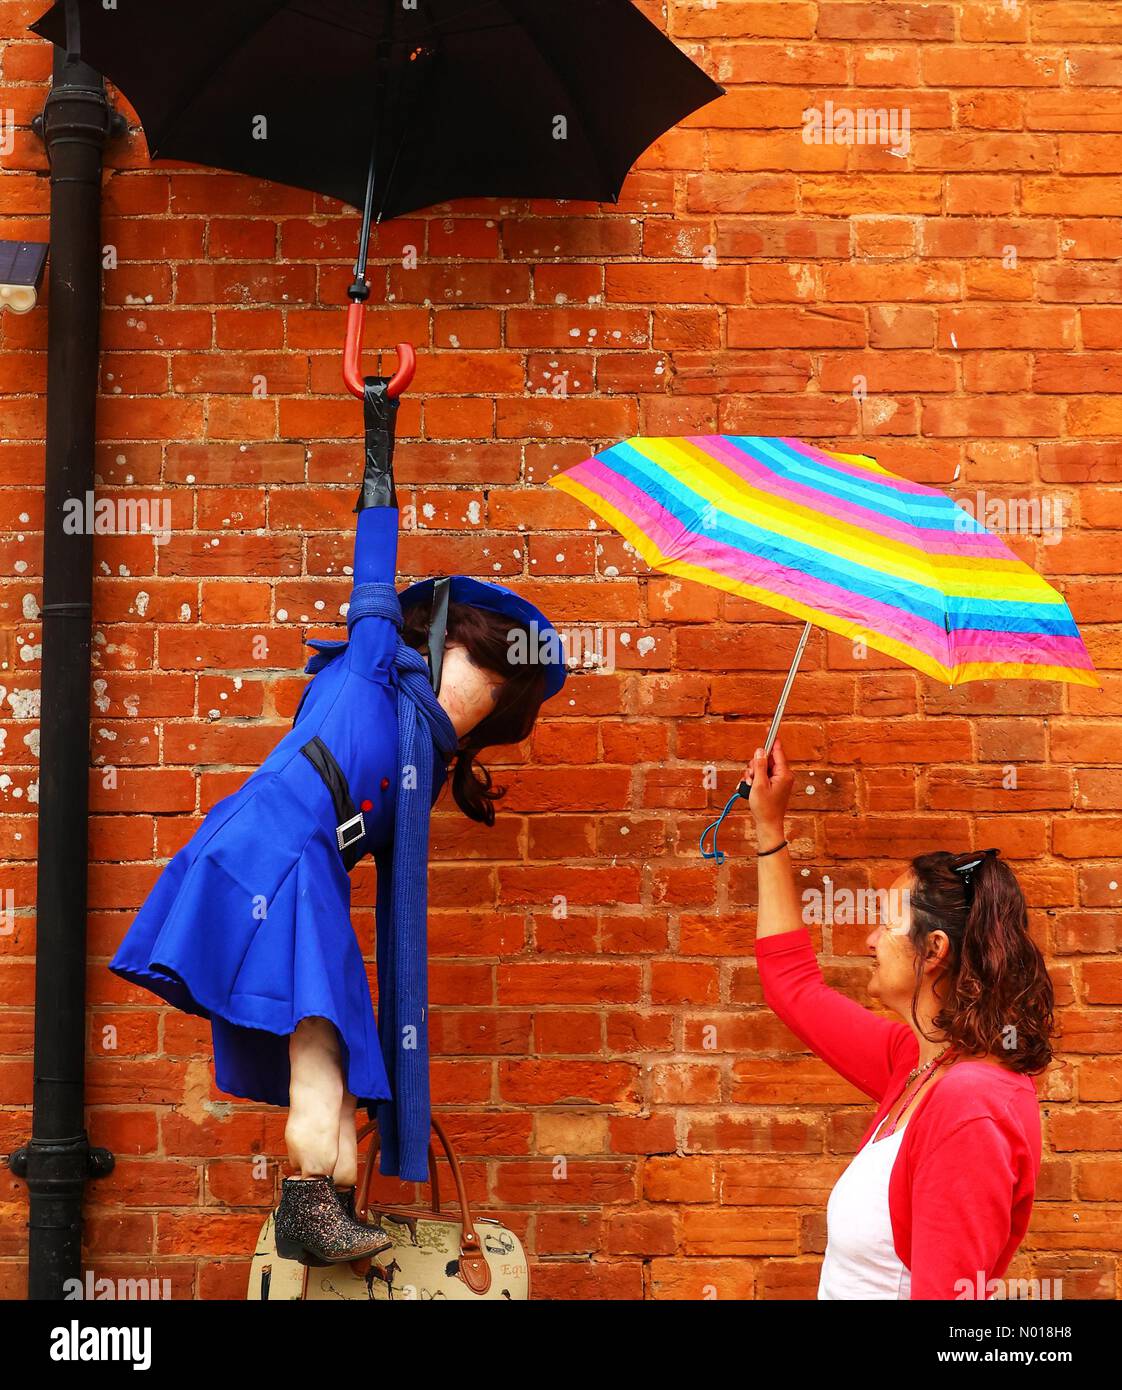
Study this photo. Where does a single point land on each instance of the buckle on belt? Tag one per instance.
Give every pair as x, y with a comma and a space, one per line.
350, 832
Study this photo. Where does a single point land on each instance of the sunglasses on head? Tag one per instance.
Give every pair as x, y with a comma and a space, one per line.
965, 865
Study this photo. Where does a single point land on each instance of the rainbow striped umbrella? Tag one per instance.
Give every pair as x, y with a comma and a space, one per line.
841, 542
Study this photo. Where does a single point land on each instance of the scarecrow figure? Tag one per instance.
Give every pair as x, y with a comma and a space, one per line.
249, 924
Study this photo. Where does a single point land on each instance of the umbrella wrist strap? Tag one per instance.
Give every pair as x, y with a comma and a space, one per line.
714, 826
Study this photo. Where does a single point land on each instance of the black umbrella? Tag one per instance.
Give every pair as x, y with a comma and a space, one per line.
467, 98
393, 105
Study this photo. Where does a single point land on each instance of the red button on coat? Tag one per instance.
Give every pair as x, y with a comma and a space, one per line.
385, 783
368, 805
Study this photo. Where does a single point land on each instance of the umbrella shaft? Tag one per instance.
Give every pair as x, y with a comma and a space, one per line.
787, 684
367, 216
368, 201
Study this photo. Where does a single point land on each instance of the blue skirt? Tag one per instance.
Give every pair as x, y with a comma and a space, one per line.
249, 926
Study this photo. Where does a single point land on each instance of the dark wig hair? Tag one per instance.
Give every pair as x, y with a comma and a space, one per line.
491, 641
996, 996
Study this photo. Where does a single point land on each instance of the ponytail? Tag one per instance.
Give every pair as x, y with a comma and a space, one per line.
996, 996
473, 789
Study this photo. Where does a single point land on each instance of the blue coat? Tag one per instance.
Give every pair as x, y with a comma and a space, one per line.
249, 925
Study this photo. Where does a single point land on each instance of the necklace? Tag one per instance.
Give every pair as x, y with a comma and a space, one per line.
927, 1066
921, 1074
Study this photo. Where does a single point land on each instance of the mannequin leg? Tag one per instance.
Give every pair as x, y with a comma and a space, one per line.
316, 1093
345, 1173
312, 1223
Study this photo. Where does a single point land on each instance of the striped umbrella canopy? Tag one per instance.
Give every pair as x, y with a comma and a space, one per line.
839, 541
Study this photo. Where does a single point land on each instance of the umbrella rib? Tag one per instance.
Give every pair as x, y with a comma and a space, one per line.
189, 101
406, 127
593, 145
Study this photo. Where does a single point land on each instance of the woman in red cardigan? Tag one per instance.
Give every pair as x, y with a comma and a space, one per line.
938, 1196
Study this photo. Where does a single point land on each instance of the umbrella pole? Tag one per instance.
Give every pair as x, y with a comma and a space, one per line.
360, 290
787, 684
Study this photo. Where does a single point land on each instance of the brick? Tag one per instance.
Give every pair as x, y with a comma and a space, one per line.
999, 110
885, 237
796, 327
901, 326
898, 194
1091, 67
1069, 21
895, 371
675, 284
974, 194
993, 416
960, 67
739, 193
1070, 195
1070, 111
786, 236
925, 282
745, 19
995, 327
990, 153
888, 21
769, 62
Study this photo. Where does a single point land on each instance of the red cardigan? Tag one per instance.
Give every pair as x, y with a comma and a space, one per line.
962, 1185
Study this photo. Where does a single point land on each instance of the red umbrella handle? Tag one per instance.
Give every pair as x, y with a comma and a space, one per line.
352, 357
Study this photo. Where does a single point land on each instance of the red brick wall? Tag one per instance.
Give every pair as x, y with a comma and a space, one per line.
743, 282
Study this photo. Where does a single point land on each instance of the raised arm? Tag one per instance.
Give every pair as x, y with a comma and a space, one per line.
855, 1042
374, 638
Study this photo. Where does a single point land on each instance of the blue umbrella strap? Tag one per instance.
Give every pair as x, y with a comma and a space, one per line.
719, 855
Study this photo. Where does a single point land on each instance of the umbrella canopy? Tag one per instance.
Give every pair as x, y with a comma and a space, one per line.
456, 98
841, 542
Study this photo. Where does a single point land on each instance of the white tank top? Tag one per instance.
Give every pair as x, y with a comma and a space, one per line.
861, 1260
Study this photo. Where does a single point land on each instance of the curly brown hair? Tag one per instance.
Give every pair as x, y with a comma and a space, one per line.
490, 642
996, 996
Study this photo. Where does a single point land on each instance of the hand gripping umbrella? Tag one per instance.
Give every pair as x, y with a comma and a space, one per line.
393, 105
841, 542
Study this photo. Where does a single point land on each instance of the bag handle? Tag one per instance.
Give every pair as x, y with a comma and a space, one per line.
474, 1269
362, 1191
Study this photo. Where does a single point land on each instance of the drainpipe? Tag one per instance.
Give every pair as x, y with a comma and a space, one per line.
75, 125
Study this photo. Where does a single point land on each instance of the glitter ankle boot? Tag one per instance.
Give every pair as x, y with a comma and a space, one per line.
346, 1197
311, 1226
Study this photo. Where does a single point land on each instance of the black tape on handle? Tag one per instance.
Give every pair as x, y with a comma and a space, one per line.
379, 411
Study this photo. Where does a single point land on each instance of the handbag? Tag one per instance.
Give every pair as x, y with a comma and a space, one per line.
435, 1254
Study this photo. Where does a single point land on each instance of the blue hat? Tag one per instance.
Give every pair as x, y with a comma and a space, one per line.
476, 593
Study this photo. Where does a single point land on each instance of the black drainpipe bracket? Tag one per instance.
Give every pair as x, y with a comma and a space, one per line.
111, 125
99, 1163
